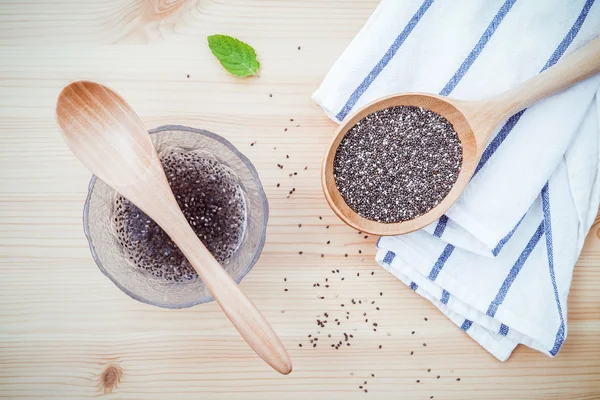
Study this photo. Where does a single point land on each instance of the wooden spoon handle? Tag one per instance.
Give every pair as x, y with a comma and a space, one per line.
485, 116
244, 315
574, 68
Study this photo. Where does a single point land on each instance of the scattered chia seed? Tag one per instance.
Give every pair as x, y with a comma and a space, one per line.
270, 94
211, 200
188, 75
397, 164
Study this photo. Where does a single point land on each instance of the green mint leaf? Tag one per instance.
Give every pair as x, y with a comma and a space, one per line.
236, 57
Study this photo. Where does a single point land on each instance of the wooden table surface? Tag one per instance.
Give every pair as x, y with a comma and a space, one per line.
63, 324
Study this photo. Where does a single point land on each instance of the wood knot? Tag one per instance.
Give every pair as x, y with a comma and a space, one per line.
110, 377
162, 8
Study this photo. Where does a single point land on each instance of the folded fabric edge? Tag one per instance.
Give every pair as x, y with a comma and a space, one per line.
319, 99
503, 322
500, 347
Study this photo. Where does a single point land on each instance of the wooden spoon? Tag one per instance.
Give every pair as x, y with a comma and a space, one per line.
473, 121
109, 138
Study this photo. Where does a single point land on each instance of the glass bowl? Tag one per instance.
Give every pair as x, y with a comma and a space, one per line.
101, 232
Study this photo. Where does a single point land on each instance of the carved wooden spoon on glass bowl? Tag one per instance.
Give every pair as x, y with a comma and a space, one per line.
474, 123
110, 140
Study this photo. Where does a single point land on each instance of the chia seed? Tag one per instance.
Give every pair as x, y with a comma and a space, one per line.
211, 200
397, 163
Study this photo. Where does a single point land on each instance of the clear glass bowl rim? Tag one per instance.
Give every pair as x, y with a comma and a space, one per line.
261, 243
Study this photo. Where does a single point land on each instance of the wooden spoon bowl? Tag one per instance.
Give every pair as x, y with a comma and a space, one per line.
474, 122
437, 104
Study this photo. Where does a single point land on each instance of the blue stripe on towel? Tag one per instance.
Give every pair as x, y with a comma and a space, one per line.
483, 40
558, 52
413, 286
462, 70
560, 335
441, 226
498, 139
445, 296
389, 257
466, 325
506, 238
389, 54
514, 271
503, 330
441, 261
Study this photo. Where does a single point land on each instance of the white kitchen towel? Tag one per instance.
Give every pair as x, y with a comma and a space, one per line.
499, 263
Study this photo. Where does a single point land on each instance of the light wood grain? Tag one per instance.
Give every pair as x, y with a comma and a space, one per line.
62, 323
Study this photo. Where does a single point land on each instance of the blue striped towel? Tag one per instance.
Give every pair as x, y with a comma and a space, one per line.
499, 263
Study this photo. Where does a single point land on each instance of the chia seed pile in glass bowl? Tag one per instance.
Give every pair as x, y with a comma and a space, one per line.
219, 192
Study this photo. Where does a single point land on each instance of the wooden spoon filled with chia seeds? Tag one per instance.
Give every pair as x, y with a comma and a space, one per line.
399, 163
110, 140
